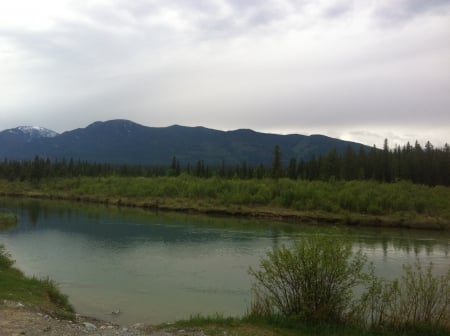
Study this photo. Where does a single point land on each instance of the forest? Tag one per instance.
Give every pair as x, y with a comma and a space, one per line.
426, 165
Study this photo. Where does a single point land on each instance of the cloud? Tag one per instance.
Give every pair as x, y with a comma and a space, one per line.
278, 64
401, 11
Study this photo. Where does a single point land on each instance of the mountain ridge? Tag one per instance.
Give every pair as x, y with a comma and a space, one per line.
122, 141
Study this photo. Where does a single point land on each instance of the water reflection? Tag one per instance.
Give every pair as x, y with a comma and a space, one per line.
158, 266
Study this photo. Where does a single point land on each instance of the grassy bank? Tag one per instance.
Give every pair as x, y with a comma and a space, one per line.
218, 326
400, 204
15, 286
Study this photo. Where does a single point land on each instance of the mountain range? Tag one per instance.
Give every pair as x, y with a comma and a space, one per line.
126, 142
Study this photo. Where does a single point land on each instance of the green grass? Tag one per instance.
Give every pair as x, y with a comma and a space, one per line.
15, 286
219, 325
370, 203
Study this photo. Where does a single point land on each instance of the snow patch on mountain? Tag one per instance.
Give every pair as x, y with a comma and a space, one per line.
33, 132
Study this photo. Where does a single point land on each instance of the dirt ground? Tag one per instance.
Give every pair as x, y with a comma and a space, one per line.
17, 319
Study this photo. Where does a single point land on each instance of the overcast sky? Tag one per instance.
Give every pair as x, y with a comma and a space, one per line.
361, 70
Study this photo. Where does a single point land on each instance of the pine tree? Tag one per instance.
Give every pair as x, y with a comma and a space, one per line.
276, 164
292, 171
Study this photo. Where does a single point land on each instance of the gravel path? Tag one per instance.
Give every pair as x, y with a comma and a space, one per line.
17, 319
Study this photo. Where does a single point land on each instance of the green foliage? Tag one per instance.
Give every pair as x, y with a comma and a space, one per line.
5, 259
61, 301
248, 326
418, 299
277, 169
401, 201
313, 280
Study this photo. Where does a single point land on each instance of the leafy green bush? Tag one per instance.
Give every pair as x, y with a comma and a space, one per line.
315, 280
312, 280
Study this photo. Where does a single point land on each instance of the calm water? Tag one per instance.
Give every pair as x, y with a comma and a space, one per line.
161, 267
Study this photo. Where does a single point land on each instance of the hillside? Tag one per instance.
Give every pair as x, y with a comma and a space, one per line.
123, 141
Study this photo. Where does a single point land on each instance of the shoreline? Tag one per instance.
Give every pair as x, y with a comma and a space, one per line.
351, 219
18, 318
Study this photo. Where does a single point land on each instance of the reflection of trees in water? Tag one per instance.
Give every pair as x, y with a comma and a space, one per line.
275, 238
122, 225
409, 245
34, 211
37, 212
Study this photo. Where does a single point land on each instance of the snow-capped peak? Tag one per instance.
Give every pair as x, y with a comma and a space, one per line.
33, 132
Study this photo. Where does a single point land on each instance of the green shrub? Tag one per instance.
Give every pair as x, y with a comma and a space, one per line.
418, 298
312, 280
315, 280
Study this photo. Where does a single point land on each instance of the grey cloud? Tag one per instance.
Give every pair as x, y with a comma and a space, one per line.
338, 9
396, 12
243, 18
114, 63
246, 4
265, 16
137, 9
73, 46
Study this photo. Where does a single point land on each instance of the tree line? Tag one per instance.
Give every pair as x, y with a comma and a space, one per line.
427, 165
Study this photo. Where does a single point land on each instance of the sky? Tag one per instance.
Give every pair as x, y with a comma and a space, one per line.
361, 70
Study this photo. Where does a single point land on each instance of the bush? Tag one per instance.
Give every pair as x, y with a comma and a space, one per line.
315, 280
418, 298
312, 280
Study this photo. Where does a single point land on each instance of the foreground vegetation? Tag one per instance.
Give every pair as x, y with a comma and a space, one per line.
316, 279
309, 289
218, 326
401, 204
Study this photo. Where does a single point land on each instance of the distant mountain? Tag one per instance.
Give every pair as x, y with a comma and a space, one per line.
34, 132
13, 140
123, 141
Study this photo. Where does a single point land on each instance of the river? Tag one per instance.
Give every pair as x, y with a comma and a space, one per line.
158, 267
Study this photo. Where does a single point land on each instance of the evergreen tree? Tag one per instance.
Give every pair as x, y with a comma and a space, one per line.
292, 170
276, 163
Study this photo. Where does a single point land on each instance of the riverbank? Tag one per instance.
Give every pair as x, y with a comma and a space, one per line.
359, 203
22, 317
